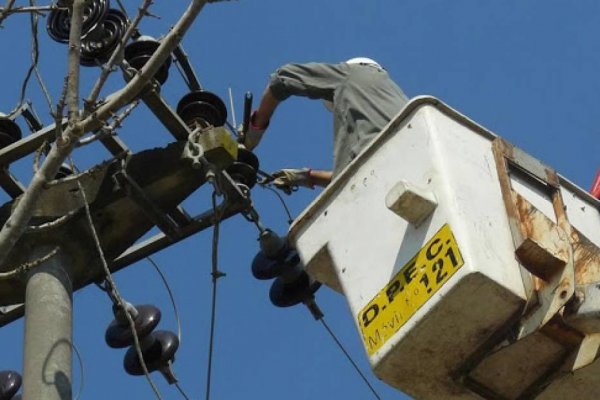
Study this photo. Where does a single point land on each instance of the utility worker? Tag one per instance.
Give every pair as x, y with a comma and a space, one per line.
360, 94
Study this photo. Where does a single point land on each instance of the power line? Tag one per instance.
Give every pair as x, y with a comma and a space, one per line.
283, 203
179, 388
364, 378
173, 303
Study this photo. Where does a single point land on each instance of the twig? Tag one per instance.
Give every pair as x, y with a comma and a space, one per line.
73, 67
110, 129
52, 224
112, 287
39, 10
38, 155
28, 265
6, 10
108, 67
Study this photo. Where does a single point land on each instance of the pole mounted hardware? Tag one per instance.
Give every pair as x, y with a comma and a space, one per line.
277, 259
199, 109
139, 52
59, 21
244, 169
102, 30
10, 383
158, 347
97, 48
9, 131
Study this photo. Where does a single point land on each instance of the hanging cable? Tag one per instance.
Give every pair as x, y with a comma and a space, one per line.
364, 378
111, 288
122, 7
171, 297
285, 207
215, 274
181, 391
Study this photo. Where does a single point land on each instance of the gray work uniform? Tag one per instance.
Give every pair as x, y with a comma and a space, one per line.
364, 100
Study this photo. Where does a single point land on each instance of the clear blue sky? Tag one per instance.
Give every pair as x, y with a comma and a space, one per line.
527, 70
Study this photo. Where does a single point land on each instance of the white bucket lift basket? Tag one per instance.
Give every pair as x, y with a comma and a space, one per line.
471, 269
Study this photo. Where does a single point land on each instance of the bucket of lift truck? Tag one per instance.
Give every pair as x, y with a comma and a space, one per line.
471, 269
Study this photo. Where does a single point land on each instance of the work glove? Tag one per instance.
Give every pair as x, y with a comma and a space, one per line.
254, 134
290, 179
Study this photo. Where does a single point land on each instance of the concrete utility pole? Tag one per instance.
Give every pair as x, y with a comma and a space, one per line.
48, 330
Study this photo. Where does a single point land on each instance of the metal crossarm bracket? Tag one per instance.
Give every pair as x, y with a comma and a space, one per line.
190, 74
164, 221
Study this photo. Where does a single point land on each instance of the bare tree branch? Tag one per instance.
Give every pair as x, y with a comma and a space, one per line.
6, 10
54, 223
29, 265
107, 68
17, 222
73, 63
110, 129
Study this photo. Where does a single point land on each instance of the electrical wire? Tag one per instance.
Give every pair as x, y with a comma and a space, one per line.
182, 73
81, 371
122, 7
178, 386
364, 378
285, 207
111, 288
215, 274
171, 297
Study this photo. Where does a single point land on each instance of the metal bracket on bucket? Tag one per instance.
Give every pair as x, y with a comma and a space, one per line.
542, 246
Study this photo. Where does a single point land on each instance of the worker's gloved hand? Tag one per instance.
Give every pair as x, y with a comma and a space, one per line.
290, 179
254, 134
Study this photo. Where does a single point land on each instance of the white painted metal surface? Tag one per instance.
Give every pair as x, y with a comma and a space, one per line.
425, 341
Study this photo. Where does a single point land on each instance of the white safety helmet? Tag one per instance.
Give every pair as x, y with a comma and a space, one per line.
363, 60
356, 60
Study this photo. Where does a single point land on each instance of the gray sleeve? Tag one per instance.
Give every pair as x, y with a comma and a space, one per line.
313, 80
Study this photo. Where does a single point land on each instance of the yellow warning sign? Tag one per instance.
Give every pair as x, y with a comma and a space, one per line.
409, 289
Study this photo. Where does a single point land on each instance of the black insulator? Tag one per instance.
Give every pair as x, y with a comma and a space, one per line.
9, 132
139, 52
242, 173
63, 171
158, 350
248, 157
287, 293
264, 267
119, 335
10, 383
202, 107
59, 21
96, 49
244, 169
